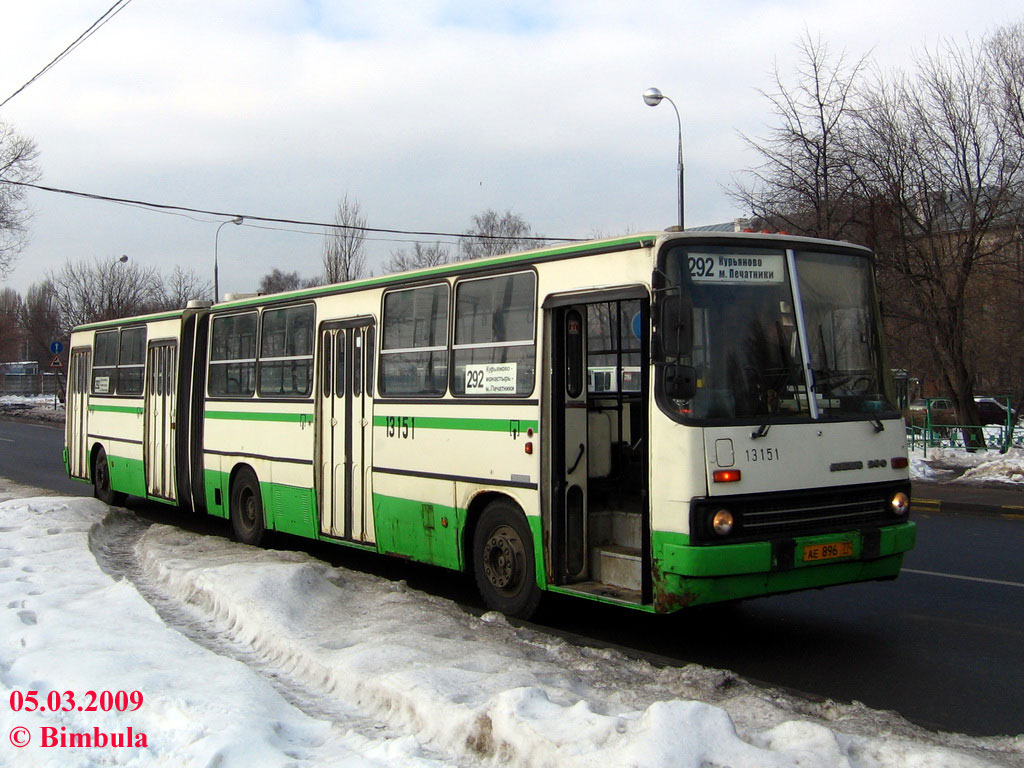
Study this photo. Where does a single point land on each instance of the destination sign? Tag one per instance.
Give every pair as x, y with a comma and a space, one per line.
722, 268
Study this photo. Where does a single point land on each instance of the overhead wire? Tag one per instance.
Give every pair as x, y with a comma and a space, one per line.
110, 13
182, 209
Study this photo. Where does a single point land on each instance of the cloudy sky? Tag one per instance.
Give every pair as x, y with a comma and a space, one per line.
426, 112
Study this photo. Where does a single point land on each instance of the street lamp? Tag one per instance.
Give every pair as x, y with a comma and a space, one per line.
652, 98
216, 241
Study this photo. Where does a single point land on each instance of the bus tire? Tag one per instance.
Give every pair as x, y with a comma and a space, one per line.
101, 481
503, 561
246, 508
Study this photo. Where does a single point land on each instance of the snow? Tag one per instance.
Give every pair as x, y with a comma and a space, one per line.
35, 407
251, 657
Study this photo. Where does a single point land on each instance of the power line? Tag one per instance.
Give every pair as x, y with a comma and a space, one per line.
165, 208
110, 13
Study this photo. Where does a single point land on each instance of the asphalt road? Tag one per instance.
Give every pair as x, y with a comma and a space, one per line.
31, 454
943, 645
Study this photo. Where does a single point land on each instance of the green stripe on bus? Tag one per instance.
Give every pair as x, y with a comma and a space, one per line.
300, 418
468, 425
116, 409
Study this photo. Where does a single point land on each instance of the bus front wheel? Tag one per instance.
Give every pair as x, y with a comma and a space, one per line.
247, 509
503, 561
101, 481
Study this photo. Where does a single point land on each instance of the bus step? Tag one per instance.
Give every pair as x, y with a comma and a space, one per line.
606, 592
616, 565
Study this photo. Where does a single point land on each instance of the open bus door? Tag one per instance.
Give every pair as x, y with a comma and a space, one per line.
569, 446
596, 512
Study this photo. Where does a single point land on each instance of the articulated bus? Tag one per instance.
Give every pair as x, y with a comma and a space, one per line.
654, 421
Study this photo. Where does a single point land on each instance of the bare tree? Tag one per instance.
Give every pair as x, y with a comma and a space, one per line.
927, 167
421, 255
278, 281
182, 286
10, 324
493, 234
41, 321
946, 185
17, 166
104, 289
805, 182
343, 256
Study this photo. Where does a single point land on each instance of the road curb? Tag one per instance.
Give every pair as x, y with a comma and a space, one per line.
1007, 511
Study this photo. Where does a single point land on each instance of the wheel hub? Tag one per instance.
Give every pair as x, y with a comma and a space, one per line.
503, 558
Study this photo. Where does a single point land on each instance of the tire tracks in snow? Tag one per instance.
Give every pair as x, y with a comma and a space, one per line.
113, 543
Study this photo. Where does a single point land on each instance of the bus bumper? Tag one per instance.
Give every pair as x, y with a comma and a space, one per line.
691, 575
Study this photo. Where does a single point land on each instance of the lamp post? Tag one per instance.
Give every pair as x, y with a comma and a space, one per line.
652, 98
216, 241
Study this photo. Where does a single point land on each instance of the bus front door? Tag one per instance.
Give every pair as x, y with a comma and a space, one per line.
77, 427
345, 396
161, 426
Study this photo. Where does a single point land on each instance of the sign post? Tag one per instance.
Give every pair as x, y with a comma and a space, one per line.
56, 348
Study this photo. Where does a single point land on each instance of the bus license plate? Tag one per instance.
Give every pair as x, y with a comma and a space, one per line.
830, 551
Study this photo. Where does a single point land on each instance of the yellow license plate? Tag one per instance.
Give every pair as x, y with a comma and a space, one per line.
830, 551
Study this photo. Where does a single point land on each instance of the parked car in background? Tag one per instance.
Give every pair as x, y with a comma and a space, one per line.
993, 410
943, 413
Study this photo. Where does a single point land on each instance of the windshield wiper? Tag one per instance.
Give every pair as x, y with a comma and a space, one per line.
760, 432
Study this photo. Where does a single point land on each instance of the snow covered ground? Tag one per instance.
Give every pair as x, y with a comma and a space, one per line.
248, 657
35, 407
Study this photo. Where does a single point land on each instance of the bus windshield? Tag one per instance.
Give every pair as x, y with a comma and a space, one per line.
761, 340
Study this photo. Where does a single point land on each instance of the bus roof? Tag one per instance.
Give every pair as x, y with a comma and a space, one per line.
548, 253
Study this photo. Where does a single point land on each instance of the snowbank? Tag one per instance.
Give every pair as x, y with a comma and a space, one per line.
291, 662
35, 407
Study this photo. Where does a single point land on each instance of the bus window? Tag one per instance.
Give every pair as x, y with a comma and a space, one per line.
131, 363
233, 356
286, 352
104, 370
494, 335
414, 342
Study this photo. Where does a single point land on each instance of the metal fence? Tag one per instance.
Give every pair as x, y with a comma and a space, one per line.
30, 383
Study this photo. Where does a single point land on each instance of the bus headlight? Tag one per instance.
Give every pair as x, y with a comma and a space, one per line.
899, 504
722, 522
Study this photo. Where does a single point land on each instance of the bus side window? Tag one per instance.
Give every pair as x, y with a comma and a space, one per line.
104, 369
414, 341
233, 356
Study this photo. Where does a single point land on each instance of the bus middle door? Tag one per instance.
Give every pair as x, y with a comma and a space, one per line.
345, 412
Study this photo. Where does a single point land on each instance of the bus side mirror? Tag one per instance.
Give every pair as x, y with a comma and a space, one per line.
680, 381
676, 326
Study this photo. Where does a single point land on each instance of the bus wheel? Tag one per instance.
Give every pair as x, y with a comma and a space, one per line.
247, 509
503, 561
101, 481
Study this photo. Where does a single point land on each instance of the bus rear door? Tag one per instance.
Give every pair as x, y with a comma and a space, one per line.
161, 419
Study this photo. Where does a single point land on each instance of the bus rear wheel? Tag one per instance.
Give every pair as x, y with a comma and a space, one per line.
503, 561
247, 509
101, 481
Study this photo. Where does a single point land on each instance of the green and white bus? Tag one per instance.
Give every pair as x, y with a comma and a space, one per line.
744, 442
